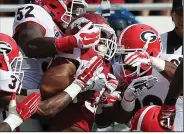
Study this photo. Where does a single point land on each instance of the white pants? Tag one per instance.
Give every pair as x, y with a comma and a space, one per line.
178, 122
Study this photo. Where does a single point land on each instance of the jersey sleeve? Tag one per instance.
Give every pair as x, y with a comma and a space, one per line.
31, 13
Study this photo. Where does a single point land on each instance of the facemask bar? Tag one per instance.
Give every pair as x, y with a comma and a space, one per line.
67, 16
7, 61
16, 65
137, 70
109, 43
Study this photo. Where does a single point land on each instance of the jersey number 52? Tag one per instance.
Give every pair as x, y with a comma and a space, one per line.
24, 12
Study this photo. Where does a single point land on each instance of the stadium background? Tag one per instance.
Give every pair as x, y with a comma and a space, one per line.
161, 23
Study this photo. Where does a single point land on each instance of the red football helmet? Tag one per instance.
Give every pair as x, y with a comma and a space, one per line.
146, 120
10, 64
107, 45
62, 11
137, 37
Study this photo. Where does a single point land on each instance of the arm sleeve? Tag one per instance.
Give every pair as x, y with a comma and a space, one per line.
176, 86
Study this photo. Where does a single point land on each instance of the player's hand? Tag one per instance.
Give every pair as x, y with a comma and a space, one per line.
22, 111
139, 86
87, 36
137, 58
143, 58
109, 101
166, 116
99, 83
109, 91
86, 74
112, 99
29, 105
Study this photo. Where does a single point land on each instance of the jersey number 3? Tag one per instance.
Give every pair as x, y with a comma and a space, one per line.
24, 11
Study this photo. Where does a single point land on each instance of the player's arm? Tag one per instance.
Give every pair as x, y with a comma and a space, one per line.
168, 70
176, 86
53, 105
30, 38
167, 112
110, 109
57, 77
5, 127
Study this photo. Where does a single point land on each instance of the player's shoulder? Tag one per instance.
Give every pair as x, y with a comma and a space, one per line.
28, 9
31, 12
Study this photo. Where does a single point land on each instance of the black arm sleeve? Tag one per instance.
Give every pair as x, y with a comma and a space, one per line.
176, 86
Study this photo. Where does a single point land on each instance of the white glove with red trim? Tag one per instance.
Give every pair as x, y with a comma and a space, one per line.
86, 74
24, 110
87, 36
137, 58
109, 97
111, 85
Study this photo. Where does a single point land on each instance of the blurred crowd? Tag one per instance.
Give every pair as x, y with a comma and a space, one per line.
141, 13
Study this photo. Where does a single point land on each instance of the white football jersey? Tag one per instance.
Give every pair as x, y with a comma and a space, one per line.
33, 68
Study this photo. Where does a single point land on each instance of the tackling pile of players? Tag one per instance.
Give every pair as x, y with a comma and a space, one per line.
84, 73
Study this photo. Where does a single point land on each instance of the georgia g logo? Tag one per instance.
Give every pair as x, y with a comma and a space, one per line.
148, 34
5, 47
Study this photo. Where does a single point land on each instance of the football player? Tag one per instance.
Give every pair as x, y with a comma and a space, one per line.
10, 74
138, 57
39, 31
162, 117
173, 103
10, 83
36, 30
81, 118
141, 55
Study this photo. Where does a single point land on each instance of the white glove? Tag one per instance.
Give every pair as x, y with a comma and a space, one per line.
139, 86
85, 75
99, 83
109, 101
87, 36
13, 119
137, 58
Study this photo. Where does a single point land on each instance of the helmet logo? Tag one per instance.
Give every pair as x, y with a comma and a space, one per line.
148, 35
5, 47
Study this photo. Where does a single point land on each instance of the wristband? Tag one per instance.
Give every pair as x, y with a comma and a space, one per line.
73, 90
158, 64
13, 119
127, 105
65, 44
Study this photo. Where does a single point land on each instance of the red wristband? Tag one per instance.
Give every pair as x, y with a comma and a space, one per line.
65, 44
